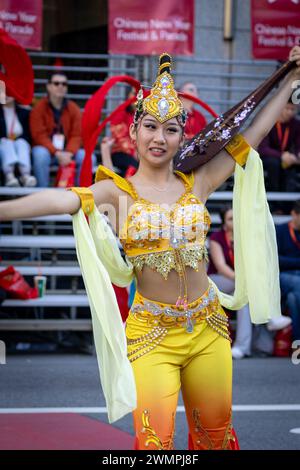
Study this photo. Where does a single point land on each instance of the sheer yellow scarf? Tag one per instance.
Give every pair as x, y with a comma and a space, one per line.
256, 263
256, 269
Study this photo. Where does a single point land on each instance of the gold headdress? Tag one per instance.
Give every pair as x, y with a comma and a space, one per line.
163, 102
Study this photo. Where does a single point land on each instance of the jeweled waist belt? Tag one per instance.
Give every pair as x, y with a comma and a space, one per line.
207, 307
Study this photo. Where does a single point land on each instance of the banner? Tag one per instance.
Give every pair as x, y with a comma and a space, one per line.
146, 28
22, 19
275, 28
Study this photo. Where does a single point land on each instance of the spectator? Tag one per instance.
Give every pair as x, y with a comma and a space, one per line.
288, 240
123, 151
105, 148
280, 152
221, 271
55, 124
15, 144
195, 120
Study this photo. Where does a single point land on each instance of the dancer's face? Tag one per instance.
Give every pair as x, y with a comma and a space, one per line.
157, 142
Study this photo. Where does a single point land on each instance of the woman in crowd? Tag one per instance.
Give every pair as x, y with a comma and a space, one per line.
15, 144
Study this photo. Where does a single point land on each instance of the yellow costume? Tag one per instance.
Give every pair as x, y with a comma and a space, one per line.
183, 345
171, 239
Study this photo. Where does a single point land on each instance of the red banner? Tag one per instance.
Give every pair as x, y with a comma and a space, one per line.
275, 28
22, 19
146, 28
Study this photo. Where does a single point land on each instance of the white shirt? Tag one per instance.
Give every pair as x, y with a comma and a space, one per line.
13, 125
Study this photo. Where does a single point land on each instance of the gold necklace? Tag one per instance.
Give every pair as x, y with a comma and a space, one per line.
158, 189
161, 190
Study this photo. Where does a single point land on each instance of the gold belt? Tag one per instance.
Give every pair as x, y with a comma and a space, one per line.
157, 314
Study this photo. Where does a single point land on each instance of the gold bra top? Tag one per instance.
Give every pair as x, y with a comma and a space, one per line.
159, 236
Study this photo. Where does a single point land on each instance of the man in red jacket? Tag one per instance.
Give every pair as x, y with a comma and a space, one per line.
55, 125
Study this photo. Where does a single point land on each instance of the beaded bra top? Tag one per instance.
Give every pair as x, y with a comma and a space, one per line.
160, 236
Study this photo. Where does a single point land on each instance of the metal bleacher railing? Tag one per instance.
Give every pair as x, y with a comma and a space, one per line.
55, 271
222, 83
86, 73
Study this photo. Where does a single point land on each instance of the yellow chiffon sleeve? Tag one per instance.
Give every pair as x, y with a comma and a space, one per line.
255, 249
101, 264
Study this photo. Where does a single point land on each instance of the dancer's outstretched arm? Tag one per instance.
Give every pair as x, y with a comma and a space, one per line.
52, 202
218, 169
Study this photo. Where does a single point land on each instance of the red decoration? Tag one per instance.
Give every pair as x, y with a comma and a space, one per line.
122, 299
131, 170
65, 177
22, 19
91, 128
147, 28
18, 72
283, 342
15, 285
275, 28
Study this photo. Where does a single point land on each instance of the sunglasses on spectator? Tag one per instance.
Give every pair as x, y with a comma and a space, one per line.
60, 83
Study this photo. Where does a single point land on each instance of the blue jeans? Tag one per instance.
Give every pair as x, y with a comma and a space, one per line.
290, 291
42, 160
243, 337
15, 151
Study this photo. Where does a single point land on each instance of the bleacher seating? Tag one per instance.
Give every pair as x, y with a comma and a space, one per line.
61, 263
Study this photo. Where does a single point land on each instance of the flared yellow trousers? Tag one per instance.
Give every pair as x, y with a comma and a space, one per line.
166, 358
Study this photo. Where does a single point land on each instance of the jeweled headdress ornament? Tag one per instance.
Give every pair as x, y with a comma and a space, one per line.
162, 102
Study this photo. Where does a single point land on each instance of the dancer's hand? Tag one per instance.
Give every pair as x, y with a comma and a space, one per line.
294, 56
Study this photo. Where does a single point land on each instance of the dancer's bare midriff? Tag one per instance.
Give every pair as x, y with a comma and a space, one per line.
152, 285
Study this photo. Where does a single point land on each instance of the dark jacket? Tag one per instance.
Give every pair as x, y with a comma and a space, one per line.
270, 147
23, 116
289, 253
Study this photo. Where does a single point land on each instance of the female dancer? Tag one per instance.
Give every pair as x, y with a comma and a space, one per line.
177, 330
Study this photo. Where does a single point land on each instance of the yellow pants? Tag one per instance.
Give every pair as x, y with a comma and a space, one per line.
166, 356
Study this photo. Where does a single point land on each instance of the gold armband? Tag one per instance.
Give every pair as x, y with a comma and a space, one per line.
86, 198
238, 148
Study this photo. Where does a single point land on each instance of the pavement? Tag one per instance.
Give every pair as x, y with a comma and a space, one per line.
43, 393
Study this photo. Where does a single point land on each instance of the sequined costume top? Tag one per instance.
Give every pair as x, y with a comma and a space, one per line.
160, 236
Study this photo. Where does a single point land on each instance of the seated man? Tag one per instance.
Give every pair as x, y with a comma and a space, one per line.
55, 124
15, 144
280, 152
288, 241
195, 120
